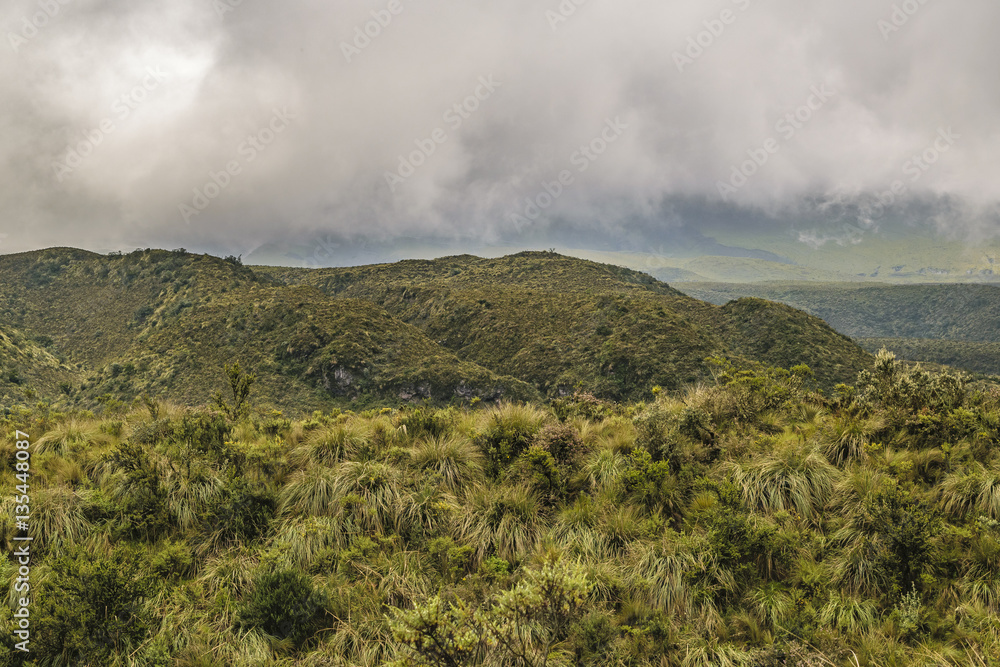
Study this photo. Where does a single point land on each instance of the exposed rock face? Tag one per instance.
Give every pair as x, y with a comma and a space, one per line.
342, 377
410, 393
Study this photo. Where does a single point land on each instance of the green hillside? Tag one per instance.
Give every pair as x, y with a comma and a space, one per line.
167, 322
559, 322
976, 357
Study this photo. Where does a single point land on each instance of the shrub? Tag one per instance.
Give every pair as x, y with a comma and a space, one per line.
902, 532
746, 547
510, 431
286, 605
91, 608
243, 513
538, 469
560, 440
582, 404
649, 482
140, 492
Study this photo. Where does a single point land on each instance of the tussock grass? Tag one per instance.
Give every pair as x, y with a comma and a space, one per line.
506, 522
790, 478
332, 445
453, 459
382, 519
72, 436
974, 489
310, 492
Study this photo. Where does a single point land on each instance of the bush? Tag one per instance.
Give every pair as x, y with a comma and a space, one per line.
560, 440
902, 532
284, 604
744, 546
538, 468
510, 432
244, 513
92, 607
140, 493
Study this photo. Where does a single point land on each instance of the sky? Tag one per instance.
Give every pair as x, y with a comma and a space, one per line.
227, 124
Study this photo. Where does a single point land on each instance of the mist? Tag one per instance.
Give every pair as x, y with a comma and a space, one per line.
225, 125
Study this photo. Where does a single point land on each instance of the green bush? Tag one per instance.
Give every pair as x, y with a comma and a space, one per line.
244, 512
562, 441
92, 607
140, 493
286, 605
902, 536
509, 433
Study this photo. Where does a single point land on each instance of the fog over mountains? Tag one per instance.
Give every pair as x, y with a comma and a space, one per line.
225, 125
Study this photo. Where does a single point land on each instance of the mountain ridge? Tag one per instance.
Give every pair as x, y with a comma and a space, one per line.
451, 329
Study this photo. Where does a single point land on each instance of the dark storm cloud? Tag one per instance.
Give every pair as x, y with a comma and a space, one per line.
222, 124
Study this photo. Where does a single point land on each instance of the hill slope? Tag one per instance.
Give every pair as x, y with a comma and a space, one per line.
559, 322
965, 312
166, 323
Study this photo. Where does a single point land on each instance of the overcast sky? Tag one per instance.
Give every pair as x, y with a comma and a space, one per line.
215, 123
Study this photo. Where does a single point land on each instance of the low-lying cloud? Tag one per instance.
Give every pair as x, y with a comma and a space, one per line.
128, 124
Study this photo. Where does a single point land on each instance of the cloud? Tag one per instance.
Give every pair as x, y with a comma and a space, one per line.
702, 88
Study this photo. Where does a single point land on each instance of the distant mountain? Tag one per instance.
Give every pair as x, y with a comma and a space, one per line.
962, 312
85, 328
723, 250
952, 324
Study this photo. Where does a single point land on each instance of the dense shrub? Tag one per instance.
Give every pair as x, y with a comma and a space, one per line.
285, 604
510, 431
92, 607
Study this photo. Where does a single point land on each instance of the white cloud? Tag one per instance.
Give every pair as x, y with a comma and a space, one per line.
608, 59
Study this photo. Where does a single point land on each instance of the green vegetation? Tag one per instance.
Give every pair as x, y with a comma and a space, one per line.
971, 356
955, 325
84, 331
963, 312
747, 520
561, 323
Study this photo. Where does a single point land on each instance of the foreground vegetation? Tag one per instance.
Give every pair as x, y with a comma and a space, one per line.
745, 521
975, 357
